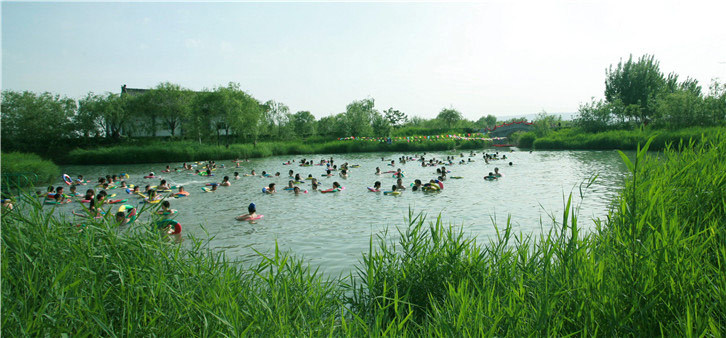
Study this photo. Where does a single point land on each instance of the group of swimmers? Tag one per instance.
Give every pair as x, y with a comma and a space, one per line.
152, 194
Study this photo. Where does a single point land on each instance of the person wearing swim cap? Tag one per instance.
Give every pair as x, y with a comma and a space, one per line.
251, 214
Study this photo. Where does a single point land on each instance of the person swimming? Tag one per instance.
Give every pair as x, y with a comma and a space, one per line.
490, 177
399, 184
270, 189
378, 171
236, 175
250, 215
225, 182
376, 187
496, 172
182, 192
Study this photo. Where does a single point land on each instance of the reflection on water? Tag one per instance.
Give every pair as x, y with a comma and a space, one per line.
331, 230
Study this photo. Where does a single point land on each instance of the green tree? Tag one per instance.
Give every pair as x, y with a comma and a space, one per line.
304, 123
715, 104
276, 118
449, 116
486, 121
681, 109
358, 117
395, 117
595, 116
237, 111
199, 121
332, 126
142, 112
636, 85
544, 123
381, 125
102, 114
40, 123
172, 104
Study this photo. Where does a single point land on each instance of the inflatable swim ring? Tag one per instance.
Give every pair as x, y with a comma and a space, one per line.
248, 218
373, 189
117, 201
176, 226
331, 190
457, 177
170, 212
392, 193
125, 207
67, 179
183, 193
54, 202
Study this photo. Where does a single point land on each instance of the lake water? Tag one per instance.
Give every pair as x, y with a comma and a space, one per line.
332, 230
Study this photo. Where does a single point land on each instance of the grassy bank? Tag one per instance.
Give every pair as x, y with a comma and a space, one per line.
190, 151
14, 164
655, 267
573, 138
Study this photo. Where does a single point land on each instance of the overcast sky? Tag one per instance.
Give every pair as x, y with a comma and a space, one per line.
501, 57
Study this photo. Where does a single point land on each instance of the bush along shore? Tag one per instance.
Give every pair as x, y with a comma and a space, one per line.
577, 139
23, 169
190, 151
654, 267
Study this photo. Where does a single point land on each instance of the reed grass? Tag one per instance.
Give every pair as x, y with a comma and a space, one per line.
573, 138
20, 163
189, 151
654, 267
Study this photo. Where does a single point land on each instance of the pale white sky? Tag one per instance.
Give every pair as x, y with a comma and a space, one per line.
499, 57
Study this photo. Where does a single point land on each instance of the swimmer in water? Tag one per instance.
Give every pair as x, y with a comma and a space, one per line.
496, 172
376, 186
166, 209
182, 192
269, 189
124, 219
225, 182
399, 185
250, 215
296, 190
344, 173
236, 174
490, 177
378, 171
163, 185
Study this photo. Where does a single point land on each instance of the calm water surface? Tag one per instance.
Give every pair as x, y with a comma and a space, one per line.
332, 230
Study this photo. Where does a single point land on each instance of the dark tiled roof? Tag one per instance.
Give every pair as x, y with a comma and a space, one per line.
132, 91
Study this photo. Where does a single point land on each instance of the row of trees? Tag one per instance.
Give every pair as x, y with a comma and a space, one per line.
638, 93
33, 121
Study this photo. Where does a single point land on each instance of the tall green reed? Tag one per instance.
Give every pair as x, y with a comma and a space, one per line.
655, 266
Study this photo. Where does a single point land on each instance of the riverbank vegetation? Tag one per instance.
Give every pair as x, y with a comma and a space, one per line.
52, 125
191, 151
655, 266
573, 138
640, 102
637, 95
35, 169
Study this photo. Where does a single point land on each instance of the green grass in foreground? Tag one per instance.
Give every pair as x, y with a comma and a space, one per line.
573, 138
655, 267
15, 163
189, 151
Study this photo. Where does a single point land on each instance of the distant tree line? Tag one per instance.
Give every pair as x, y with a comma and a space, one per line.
45, 122
637, 93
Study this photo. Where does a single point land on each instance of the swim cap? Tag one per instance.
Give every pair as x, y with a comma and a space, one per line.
251, 208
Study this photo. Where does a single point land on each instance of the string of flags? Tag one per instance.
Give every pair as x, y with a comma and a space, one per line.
466, 137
